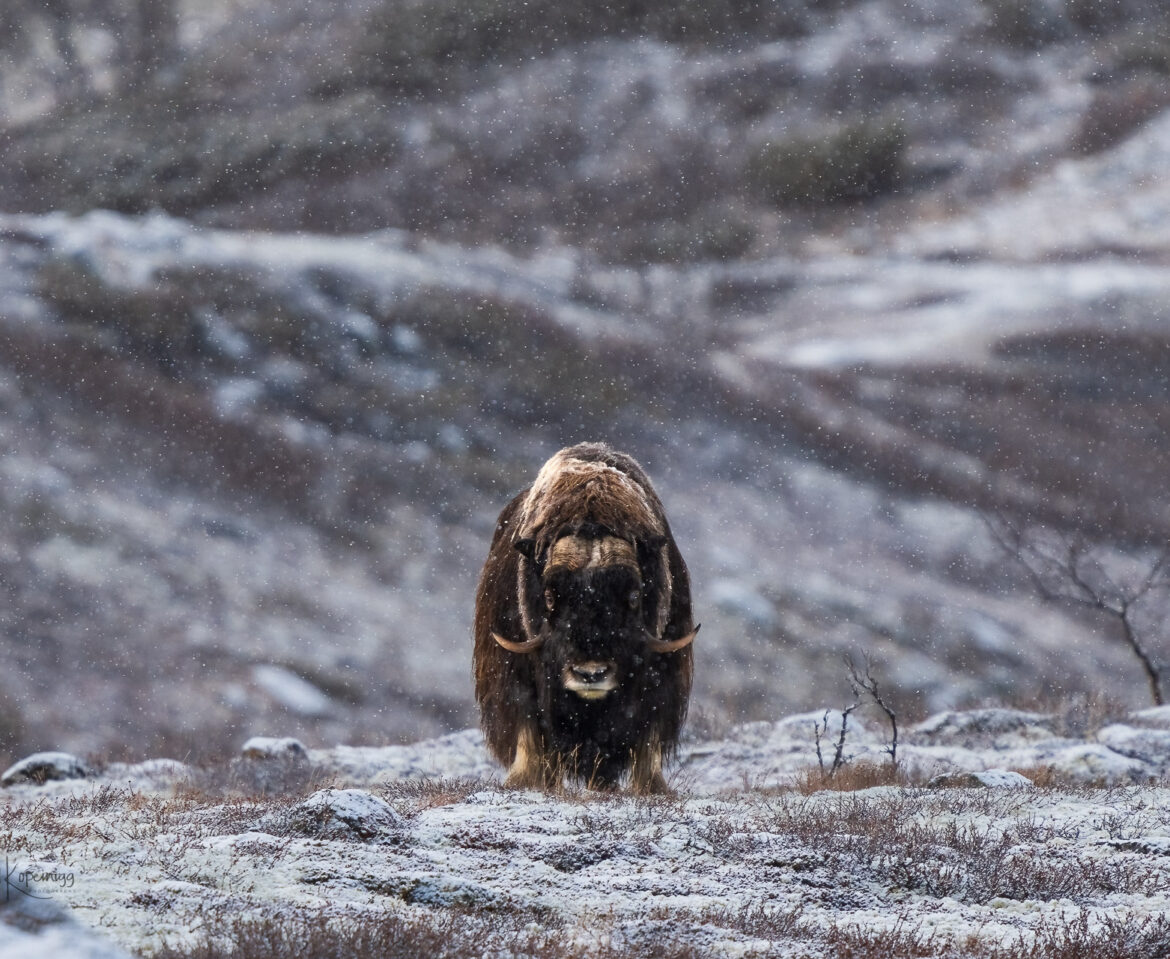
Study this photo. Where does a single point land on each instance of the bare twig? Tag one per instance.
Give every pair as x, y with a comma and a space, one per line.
1065, 567
839, 749
818, 728
864, 683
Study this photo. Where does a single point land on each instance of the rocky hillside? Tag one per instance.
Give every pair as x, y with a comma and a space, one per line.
284, 327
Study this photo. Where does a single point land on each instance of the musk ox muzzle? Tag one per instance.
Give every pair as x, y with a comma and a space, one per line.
591, 680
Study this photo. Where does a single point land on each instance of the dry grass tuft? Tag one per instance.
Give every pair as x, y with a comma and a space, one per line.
1043, 777
854, 776
410, 797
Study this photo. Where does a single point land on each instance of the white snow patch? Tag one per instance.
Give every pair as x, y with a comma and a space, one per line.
1157, 716
291, 691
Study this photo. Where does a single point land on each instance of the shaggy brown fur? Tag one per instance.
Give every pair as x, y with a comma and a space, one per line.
584, 564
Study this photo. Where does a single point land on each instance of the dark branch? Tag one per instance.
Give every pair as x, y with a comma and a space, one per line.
839, 749
1067, 568
864, 682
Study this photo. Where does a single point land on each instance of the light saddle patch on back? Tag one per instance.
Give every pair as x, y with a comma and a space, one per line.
569, 490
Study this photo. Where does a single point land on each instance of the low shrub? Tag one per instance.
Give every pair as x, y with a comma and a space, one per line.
1030, 24
169, 149
1116, 113
852, 777
453, 934
430, 46
857, 161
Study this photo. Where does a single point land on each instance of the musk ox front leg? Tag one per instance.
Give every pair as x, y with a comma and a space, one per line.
533, 767
646, 769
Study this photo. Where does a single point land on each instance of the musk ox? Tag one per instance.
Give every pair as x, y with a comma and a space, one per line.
583, 628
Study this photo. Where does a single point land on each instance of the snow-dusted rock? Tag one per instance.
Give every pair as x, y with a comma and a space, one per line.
773, 753
989, 728
293, 692
1149, 746
40, 768
285, 749
984, 778
1157, 717
1149, 845
1096, 763
336, 814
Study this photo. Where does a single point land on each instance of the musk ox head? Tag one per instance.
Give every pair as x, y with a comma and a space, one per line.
588, 610
583, 626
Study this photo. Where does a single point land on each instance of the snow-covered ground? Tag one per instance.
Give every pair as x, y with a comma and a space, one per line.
965, 856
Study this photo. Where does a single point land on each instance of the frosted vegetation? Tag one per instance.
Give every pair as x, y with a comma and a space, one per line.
293, 298
417, 850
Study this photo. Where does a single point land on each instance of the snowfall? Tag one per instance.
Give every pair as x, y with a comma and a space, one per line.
1014, 833
1008, 833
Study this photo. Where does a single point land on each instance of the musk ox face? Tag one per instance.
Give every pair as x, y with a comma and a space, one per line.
585, 608
583, 627
590, 615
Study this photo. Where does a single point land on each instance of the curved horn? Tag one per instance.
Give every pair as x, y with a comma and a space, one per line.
672, 645
528, 647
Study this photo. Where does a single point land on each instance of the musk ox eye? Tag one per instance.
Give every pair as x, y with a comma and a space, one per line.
634, 599
550, 600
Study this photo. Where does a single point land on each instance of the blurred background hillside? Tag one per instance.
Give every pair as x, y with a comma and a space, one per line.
294, 297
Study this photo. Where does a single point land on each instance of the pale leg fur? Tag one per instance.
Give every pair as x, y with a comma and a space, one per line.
530, 769
646, 773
